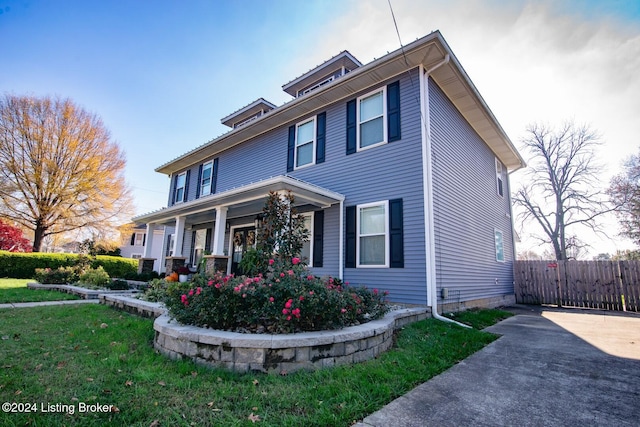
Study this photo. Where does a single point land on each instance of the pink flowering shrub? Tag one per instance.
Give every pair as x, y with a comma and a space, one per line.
285, 299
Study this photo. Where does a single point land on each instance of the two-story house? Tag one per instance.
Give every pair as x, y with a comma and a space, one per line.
398, 165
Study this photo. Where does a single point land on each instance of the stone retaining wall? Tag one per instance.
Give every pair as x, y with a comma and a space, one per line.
78, 290
133, 305
281, 353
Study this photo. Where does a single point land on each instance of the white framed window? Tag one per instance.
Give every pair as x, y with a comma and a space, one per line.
371, 118
139, 239
499, 179
205, 181
307, 247
136, 256
305, 152
499, 245
372, 242
180, 187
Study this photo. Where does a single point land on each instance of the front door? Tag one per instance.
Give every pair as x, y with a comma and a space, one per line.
243, 239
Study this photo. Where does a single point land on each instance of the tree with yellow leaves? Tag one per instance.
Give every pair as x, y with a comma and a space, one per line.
59, 169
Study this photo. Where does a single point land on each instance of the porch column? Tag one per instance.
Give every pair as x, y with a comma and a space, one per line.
218, 233
177, 243
149, 241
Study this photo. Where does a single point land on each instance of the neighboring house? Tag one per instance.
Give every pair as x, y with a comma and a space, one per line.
134, 242
398, 165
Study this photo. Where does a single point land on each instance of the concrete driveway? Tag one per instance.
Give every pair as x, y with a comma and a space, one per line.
551, 367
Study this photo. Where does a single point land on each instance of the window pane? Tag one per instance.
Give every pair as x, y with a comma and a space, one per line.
206, 172
371, 107
372, 220
305, 154
499, 246
371, 132
306, 246
372, 250
180, 182
206, 189
305, 133
179, 194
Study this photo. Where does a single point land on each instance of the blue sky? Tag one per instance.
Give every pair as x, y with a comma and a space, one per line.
161, 74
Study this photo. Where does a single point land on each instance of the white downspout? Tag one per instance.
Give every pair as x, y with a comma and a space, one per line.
427, 182
341, 243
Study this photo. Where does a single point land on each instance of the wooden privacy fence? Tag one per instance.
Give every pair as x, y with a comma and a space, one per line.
608, 285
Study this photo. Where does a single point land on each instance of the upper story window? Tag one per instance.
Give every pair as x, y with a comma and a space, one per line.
207, 176
499, 179
180, 187
374, 118
205, 182
305, 143
138, 239
372, 128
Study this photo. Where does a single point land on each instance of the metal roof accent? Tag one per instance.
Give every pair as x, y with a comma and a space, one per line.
259, 106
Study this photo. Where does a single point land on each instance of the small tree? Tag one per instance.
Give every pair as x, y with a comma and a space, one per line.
281, 232
562, 190
625, 193
12, 240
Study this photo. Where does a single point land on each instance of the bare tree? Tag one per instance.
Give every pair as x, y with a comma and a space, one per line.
59, 169
625, 192
562, 190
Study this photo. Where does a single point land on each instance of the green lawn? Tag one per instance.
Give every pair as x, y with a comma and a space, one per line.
75, 355
15, 290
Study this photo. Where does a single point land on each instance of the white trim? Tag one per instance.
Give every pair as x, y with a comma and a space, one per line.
341, 242
313, 143
385, 205
311, 215
383, 91
231, 232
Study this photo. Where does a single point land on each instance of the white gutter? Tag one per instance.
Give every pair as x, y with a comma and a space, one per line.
427, 182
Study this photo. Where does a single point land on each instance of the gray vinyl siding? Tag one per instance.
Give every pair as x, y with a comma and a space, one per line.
467, 208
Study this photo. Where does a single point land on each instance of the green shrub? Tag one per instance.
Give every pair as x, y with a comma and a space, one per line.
282, 301
96, 277
58, 276
117, 285
23, 265
116, 266
156, 292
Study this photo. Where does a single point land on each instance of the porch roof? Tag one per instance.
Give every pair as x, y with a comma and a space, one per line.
242, 201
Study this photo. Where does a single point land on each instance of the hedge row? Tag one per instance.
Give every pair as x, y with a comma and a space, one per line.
23, 265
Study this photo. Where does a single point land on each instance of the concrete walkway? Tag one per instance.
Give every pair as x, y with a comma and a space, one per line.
550, 368
43, 303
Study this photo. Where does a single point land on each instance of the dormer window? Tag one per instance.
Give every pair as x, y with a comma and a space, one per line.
248, 114
322, 75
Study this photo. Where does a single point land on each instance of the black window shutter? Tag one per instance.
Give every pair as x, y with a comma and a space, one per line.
133, 239
393, 111
318, 238
168, 249
396, 234
186, 186
214, 175
351, 127
144, 239
199, 182
350, 238
172, 191
291, 148
321, 130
